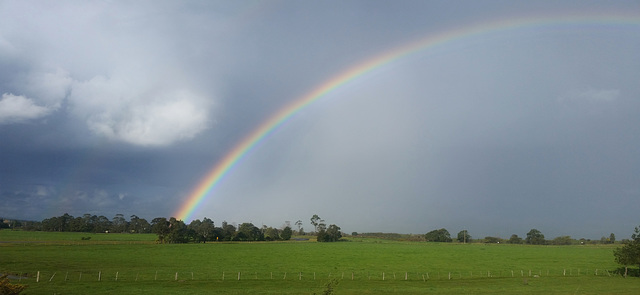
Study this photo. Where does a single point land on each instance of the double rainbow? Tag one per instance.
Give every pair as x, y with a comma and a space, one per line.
221, 169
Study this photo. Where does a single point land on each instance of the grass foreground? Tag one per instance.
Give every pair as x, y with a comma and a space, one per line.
133, 264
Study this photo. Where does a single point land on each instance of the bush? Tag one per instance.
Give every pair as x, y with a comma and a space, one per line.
8, 288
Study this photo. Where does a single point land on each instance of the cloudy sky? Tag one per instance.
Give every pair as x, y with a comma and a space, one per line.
123, 107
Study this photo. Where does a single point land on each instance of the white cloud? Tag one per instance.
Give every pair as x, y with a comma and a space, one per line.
138, 111
18, 108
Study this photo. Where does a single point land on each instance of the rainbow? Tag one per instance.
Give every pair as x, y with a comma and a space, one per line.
222, 168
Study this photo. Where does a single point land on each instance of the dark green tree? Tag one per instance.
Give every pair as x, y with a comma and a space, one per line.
118, 224
491, 240
330, 234
629, 253
248, 232
160, 227
228, 231
438, 235
463, 236
178, 232
286, 233
535, 237
271, 234
514, 239
562, 240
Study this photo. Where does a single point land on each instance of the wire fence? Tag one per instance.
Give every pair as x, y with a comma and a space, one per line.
164, 275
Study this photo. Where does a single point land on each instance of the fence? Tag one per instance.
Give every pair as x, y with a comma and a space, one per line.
164, 275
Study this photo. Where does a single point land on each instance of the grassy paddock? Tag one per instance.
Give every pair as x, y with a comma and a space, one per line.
126, 265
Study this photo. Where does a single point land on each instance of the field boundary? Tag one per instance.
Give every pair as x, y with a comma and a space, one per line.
220, 276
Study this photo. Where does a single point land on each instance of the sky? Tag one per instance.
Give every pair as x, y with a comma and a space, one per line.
121, 107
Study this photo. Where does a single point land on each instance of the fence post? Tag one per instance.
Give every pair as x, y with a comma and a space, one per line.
238, 276
99, 276
176, 278
406, 274
116, 276
54, 274
38, 277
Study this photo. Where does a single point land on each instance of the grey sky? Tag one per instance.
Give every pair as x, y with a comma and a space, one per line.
114, 107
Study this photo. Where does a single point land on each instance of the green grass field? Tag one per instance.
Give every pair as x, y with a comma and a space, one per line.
133, 264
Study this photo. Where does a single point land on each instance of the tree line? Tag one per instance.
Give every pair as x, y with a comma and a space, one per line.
533, 237
173, 230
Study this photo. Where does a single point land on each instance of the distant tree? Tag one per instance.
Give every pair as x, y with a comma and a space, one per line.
629, 253
101, 224
286, 233
612, 238
491, 240
160, 226
248, 232
178, 232
118, 224
514, 239
562, 240
228, 231
463, 236
438, 235
299, 224
535, 237
139, 225
271, 234
315, 221
206, 229
330, 234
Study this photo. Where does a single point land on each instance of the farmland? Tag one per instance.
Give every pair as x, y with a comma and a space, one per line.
133, 264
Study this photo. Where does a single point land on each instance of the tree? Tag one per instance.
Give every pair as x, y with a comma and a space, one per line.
629, 254
160, 226
271, 234
514, 239
535, 237
248, 232
118, 224
491, 240
612, 238
315, 220
562, 240
438, 235
139, 225
178, 232
228, 231
463, 236
330, 234
299, 224
286, 233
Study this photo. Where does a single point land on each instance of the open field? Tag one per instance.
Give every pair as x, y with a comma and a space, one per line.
133, 264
